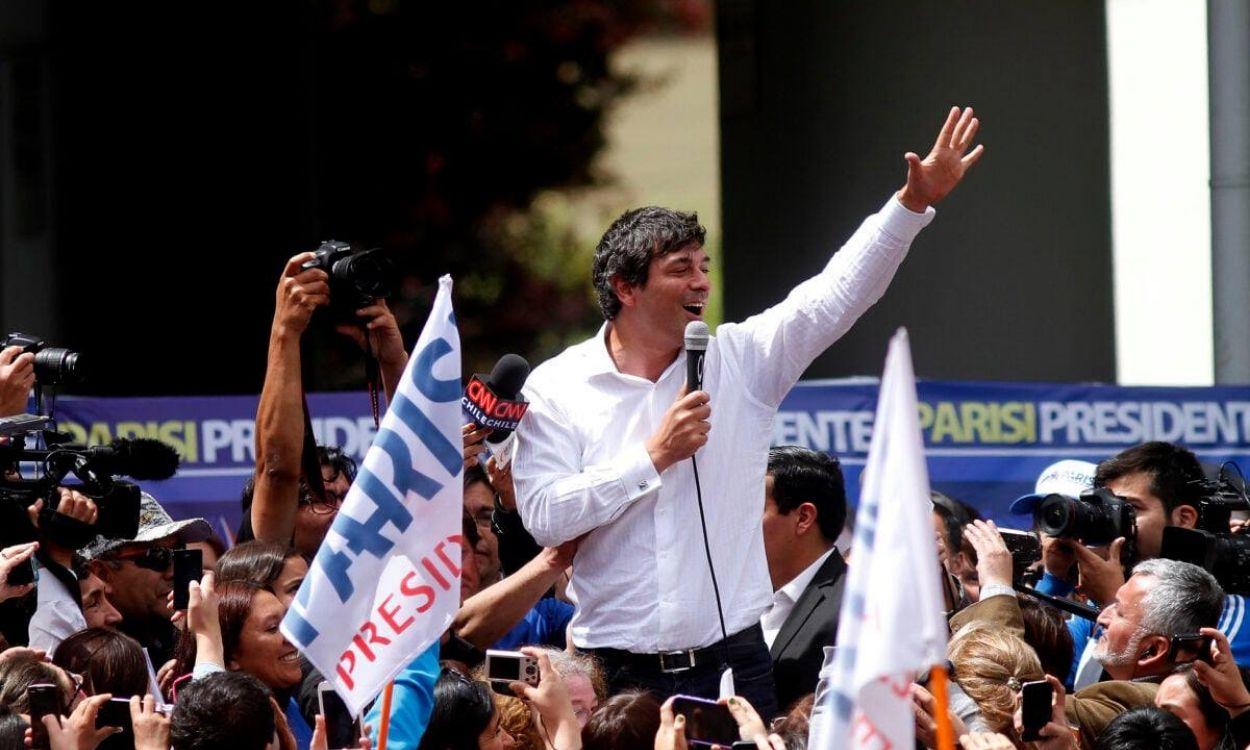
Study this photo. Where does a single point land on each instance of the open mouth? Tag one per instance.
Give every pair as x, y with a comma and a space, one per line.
291, 657
694, 308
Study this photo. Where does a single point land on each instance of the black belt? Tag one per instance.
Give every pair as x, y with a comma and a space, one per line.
671, 662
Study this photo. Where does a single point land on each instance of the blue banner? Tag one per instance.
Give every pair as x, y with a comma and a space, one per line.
985, 442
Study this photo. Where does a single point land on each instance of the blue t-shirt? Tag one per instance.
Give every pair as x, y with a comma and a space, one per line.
544, 625
412, 700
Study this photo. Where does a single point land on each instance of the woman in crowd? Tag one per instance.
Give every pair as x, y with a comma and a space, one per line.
990, 666
234, 626
275, 567
626, 721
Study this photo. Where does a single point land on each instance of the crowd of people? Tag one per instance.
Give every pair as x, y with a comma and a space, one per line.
639, 541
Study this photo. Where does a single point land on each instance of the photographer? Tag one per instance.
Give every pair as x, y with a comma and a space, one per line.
1162, 599
279, 510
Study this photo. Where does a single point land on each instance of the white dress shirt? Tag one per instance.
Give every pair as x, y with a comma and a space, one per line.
640, 577
787, 596
57, 615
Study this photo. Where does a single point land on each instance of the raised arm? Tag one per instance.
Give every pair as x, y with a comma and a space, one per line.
773, 348
280, 415
488, 615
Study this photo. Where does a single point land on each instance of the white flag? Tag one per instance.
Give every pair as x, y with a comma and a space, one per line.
386, 580
891, 625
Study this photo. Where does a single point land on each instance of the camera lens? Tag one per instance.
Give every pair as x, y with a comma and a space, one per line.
57, 365
369, 274
1054, 515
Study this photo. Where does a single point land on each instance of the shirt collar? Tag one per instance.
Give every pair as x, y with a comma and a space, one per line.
794, 589
599, 361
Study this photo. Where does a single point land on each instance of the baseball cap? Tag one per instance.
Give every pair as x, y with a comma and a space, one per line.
155, 524
1067, 477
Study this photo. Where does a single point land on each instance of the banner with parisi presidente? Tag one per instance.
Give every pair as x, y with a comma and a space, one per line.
385, 583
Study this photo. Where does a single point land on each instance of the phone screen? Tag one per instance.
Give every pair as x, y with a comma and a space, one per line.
43, 699
1035, 708
188, 567
340, 726
1190, 647
707, 722
115, 713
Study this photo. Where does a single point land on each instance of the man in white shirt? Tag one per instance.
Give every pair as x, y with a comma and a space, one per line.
602, 451
804, 511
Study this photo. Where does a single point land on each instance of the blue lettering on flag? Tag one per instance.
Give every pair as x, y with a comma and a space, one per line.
334, 566
447, 453
302, 629
423, 373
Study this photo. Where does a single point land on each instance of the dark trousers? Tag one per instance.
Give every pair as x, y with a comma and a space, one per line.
746, 652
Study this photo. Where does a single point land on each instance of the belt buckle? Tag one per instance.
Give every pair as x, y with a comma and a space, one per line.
672, 662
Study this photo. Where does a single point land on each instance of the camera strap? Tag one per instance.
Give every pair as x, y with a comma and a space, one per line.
373, 378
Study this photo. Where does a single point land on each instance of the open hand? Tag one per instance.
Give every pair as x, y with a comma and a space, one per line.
994, 564
17, 377
931, 179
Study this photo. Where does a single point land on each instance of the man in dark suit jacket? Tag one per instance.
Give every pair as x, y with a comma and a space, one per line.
804, 511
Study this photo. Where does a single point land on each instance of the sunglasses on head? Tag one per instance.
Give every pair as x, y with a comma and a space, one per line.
152, 558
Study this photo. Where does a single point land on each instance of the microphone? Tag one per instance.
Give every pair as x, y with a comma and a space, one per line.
495, 401
140, 458
696, 351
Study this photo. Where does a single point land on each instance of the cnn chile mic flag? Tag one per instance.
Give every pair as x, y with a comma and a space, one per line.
386, 581
891, 625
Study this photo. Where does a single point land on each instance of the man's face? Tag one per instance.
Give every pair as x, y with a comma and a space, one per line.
313, 519
676, 291
1149, 508
479, 501
1175, 697
140, 585
97, 609
778, 535
1121, 642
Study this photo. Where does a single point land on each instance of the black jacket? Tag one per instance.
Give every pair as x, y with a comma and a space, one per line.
798, 649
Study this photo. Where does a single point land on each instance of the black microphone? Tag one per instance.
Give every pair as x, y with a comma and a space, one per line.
696, 351
140, 458
506, 381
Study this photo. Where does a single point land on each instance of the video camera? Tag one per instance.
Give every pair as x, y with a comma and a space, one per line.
53, 364
1211, 545
357, 277
96, 470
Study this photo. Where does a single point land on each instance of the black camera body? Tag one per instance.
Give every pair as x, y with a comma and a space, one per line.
357, 277
1212, 546
1095, 518
54, 365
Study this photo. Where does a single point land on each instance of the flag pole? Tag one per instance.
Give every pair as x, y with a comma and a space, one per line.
386, 714
941, 699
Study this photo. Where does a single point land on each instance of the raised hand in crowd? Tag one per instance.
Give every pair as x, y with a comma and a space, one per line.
378, 322
10, 558
1057, 556
750, 726
78, 730
151, 727
474, 439
1101, 571
1057, 734
1221, 676
300, 293
501, 480
931, 179
924, 710
985, 741
320, 739
551, 700
993, 557
202, 620
17, 377
672, 732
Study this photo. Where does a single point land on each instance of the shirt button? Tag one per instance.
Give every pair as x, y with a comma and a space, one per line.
642, 485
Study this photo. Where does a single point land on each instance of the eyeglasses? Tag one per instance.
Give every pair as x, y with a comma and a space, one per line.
322, 507
152, 558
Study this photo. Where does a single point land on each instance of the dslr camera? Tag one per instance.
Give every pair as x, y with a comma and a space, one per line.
1095, 518
54, 365
1211, 545
357, 277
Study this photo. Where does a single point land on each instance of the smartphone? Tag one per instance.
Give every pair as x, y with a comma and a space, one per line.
115, 713
504, 667
707, 722
43, 699
340, 725
1035, 708
188, 567
1189, 647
